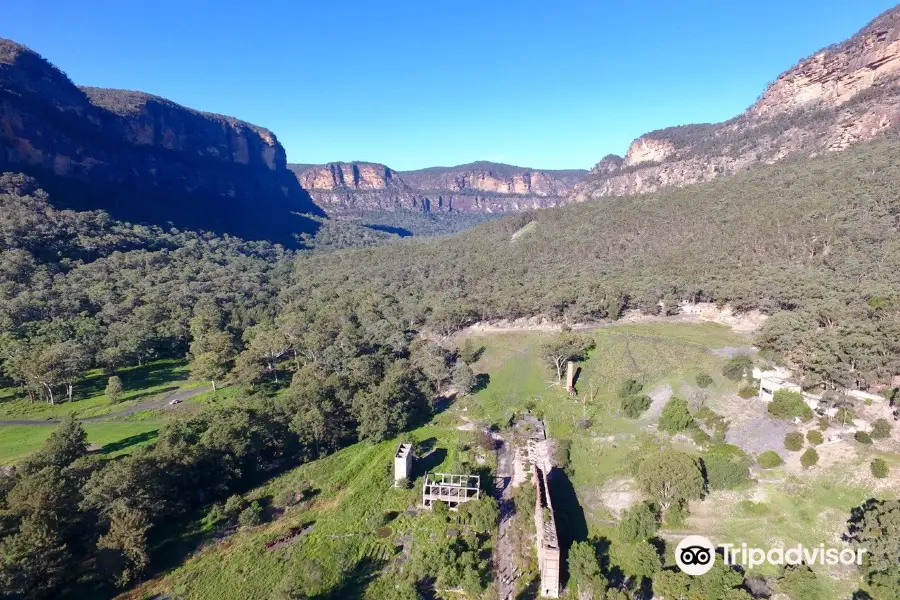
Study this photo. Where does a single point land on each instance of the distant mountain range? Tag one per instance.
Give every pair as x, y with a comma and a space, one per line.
476, 187
144, 158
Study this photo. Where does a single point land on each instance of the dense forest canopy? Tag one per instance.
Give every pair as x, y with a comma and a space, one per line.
812, 242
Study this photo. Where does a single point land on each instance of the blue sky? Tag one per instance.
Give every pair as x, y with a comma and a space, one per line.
429, 82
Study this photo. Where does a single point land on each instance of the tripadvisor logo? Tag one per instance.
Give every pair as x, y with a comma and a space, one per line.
696, 555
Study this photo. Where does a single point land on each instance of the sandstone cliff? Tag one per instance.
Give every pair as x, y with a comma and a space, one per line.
142, 157
843, 94
476, 187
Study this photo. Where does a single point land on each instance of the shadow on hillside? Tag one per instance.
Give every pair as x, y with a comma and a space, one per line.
132, 440
481, 381
429, 462
391, 229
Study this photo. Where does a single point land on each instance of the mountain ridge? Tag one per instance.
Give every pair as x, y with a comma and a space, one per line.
480, 186
843, 94
144, 158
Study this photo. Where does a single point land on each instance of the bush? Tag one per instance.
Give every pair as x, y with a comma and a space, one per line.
234, 505
113, 389
251, 516
634, 406
704, 380
737, 367
677, 514
823, 423
862, 437
844, 415
879, 468
748, 391
794, 441
770, 459
638, 523
675, 416
727, 467
787, 404
881, 429
630, 387
284, 498
809, 458
814, 437
699, 436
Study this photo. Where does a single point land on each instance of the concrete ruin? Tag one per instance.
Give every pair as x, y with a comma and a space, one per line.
403, 459
570, 378
451, 488
548, 551
549, 554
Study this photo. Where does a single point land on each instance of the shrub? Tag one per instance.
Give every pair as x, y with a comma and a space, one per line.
748, 391
234, 505
630, 387
862, 437
823, 423
113, 389
809, 458
404, 483
845, 414
727, 467
284, 498
737, 367
639, 522
879, 468
786, 404
251, 516
814, 437
675, 416
881, 429
677, 514
704, 380
699, 436
633, 406
794, 441
770, 459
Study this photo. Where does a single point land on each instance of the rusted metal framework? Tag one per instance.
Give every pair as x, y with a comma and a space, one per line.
451, 488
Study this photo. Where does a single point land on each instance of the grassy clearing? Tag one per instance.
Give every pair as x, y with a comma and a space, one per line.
109, 438
357, 519
140, 384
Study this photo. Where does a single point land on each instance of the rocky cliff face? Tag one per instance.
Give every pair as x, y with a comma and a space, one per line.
144, 158
843, 94
477, 187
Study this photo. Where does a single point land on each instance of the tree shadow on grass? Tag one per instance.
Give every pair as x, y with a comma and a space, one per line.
135, 378
131, 440
481, 381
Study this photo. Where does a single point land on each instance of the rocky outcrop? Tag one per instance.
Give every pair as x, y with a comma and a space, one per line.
142, 157
844, 94
477, 187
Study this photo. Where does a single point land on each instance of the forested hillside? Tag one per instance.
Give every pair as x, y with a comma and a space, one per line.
813, 242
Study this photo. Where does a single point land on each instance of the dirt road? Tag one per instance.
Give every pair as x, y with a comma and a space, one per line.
161, 403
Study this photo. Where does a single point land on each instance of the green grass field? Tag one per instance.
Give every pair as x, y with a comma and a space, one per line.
140, 384
109, 438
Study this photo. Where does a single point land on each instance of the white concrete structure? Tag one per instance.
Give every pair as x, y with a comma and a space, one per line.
403, 462
769, 384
